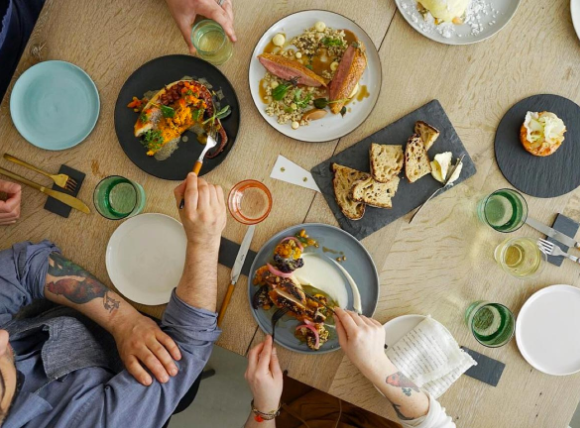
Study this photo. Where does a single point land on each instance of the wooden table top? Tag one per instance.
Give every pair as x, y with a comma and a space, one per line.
437, 265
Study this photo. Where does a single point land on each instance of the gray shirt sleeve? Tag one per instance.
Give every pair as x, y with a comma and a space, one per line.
23, 271
125, 402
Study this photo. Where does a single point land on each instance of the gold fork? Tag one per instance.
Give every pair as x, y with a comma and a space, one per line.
61, 180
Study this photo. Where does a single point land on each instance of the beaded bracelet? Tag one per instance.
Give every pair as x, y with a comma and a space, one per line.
261, 416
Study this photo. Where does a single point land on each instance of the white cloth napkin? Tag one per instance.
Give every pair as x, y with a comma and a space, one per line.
430, 357
288, 171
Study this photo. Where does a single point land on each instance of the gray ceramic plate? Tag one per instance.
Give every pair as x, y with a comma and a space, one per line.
359, 264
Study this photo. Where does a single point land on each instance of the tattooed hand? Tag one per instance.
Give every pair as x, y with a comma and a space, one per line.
362, 339
141, 343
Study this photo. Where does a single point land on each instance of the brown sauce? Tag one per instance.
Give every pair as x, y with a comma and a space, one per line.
273, 49
321, 62
263, 94
349, 36
363, 93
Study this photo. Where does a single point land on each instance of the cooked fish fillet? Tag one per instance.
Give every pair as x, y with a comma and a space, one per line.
350, 70
289, 69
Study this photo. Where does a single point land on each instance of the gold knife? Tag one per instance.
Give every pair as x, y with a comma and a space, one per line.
69, 200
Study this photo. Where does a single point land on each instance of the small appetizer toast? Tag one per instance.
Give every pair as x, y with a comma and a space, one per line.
542, 133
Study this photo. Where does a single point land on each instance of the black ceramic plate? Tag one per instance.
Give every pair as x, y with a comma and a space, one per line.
359, 265
154, 75
409, 195
542, 177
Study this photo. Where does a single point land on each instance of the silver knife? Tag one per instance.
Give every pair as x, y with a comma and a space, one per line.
552, 233
236, 271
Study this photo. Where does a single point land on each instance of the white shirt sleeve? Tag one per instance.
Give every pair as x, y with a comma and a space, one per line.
435, 418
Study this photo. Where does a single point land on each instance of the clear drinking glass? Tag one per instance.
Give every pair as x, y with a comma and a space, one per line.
492, 324
505, 210
250, 202
211, 42
117, 197
520, 257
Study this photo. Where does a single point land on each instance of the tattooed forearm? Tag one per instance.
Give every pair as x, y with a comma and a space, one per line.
399, 380
400, 414
76, 284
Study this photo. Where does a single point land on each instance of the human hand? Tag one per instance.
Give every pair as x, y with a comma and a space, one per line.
363, 341
184, 13
141, 343
204, 213
264, 376
10, 208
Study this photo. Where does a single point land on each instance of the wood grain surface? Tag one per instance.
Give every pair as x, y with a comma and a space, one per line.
437, 265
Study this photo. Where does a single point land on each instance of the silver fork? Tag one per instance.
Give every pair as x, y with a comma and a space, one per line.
209, 144
551, 249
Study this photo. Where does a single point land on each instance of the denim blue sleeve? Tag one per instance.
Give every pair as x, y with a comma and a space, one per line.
23, 271
124, 402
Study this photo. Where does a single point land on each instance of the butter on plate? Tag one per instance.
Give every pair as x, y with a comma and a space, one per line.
441, 165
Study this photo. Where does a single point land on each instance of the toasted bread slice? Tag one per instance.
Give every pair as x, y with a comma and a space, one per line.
417, 162
427, 133
386, 161
344, 178
374, 193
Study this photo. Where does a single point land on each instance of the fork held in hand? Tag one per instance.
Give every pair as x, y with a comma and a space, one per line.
61, 180
551, 249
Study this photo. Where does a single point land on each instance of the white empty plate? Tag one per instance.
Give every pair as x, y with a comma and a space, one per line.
145, 258
547, 330
332, 126
575, 12
396, 328
483, 19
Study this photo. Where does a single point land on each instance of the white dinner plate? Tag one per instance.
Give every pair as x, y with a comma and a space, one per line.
547, 330
575, 12
145, 258
332, 126
484, 18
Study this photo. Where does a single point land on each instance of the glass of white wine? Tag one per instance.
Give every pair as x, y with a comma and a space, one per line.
211, 42
520, 257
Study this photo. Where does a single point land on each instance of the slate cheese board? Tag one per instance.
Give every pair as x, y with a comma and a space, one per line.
409, 195
542, 177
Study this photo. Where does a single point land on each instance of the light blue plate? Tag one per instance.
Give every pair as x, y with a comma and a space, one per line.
54, 105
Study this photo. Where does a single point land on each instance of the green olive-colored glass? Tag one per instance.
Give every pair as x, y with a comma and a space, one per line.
505, 210
117, 197
492, 324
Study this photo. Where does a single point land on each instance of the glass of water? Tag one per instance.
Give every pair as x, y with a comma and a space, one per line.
505, 210
520, 257
492, 324
117, 197
211, 42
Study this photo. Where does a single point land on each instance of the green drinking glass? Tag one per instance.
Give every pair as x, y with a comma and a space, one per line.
117, 197
492, 324
505, 210
211, 42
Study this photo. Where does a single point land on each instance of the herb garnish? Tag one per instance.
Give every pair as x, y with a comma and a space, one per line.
329, 41
324, 102
301, 102
189, 92
197, 114
143, 117
343, 111
153, 139
224, 112
167, 111
280, 91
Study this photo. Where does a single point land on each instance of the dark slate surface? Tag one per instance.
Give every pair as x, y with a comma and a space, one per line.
410, 195
58, 207
568, 227
487, 369
543, 177
229, 252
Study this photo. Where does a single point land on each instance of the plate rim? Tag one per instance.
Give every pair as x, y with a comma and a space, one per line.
108, 254
459, 43
237, 99
380, 85
43, 64
519, 340
253, 269
575, 22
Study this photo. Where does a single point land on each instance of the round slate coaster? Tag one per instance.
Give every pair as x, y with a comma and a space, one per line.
542, 177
